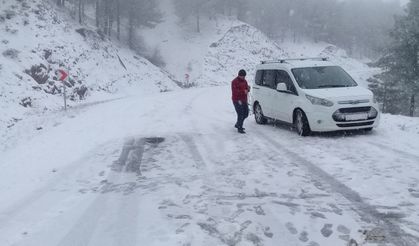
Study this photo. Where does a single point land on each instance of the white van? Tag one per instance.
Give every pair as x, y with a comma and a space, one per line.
312, 94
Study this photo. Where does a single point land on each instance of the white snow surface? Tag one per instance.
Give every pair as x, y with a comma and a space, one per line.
97, 175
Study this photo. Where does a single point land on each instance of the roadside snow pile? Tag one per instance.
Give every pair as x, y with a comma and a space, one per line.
401, 123
243, 46
399, 131
36, 41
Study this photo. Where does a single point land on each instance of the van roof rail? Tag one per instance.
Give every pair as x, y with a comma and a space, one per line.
295, 59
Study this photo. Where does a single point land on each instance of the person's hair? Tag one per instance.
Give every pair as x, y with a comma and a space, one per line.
242, 72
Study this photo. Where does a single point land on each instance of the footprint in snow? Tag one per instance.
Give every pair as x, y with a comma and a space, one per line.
327, 230
259, 210
303, 236
291, 228
267, 232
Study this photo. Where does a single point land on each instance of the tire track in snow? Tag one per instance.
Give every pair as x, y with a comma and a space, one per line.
193, 149
394, 234
39, 194
83, 230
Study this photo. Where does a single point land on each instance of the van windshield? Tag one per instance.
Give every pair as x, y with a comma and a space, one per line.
322, 77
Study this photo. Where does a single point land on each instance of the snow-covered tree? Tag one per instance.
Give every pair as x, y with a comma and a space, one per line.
400, 64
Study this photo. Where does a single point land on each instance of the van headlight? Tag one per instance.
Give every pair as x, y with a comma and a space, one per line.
319, 101
373, 113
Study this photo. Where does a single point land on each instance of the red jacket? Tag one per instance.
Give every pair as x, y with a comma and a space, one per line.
239, 89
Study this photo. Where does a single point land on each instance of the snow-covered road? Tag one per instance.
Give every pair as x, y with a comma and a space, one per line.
170, 169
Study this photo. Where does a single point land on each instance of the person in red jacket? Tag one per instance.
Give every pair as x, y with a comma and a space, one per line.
240, 89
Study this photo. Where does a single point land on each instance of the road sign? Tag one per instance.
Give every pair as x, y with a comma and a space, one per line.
63, 74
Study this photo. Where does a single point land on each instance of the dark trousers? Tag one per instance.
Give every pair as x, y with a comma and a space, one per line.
242, 113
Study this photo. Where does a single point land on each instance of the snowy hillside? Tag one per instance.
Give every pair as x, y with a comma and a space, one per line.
36, 40
242, 46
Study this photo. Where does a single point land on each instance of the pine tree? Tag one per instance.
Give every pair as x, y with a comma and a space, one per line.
196, 9
400, 65
140, 13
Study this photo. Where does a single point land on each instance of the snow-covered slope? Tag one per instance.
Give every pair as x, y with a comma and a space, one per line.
243, 46
36, 40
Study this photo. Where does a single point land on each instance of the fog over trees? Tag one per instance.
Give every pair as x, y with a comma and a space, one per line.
358, 26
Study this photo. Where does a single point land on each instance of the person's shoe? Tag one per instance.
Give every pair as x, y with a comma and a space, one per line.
241, 130
236, 126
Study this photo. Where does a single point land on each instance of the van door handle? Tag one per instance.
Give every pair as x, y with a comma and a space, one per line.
256, 88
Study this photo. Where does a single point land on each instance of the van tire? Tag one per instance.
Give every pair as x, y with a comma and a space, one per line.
259, 117
301, 123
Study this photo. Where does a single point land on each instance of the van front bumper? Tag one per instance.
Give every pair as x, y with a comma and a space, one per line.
323, 119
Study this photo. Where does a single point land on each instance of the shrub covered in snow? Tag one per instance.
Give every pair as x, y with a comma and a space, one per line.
26, 102
11, 53
39, 73
9, 14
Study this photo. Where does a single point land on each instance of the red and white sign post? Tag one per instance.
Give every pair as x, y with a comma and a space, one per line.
187, 79
63, 76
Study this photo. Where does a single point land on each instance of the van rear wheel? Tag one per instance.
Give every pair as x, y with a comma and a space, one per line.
301, 123
259, 117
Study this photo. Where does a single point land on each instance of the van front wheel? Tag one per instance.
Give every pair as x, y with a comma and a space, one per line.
301, 123
259, 117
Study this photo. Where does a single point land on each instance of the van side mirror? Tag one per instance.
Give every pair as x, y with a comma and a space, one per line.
281, 87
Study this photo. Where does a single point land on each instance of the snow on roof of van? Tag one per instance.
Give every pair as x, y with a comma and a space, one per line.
295, 63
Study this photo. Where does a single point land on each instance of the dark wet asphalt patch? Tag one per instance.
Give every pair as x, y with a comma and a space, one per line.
132, 154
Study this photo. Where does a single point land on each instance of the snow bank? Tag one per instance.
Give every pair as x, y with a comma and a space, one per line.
401, 124
242, 46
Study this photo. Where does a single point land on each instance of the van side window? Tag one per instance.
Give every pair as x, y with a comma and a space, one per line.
284, 77
269, 77
258, 78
